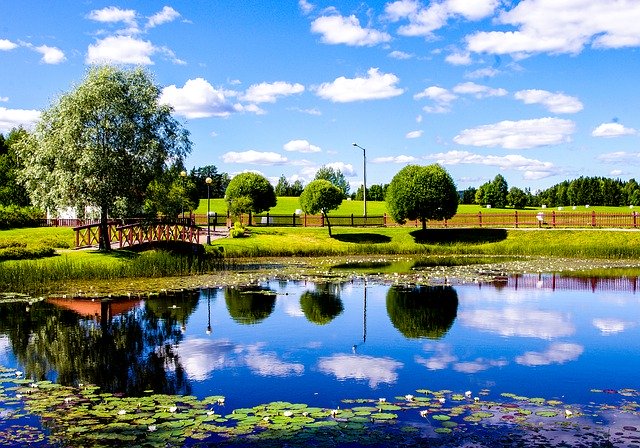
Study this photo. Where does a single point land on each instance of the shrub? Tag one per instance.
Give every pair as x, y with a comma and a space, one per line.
237, 231
13, 216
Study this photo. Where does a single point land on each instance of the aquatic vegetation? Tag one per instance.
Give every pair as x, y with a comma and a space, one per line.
83, 415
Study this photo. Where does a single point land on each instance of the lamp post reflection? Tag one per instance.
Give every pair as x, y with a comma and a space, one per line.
364, 318
208, 310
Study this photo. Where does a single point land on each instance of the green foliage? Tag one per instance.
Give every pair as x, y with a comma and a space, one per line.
171, 194
11, 192
493, 193
517, 198
469, 196
375, 192
249, 305
237, 231
422, 192
321, 196
19, 251
106, 139
593, 191
249, 192
285, 188
336, 177
13, 216
219, 181
321, 306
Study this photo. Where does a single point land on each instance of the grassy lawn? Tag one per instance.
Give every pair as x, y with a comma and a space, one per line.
288, 205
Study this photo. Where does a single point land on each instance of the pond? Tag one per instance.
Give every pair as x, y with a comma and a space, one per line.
528, 360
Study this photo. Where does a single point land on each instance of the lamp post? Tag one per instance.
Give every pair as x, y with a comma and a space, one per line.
183, 175
208, 180
364, 174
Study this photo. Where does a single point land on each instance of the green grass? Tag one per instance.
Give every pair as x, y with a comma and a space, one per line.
288, 205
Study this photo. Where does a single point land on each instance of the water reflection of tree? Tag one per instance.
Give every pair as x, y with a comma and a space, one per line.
422, 311
131, 353
322, 305
249, 305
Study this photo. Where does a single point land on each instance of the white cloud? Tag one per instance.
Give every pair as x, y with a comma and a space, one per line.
531, 169
549, 26
373, 370
374, 86
4, 99
612, 130
113, 14
488, 72
557, 353
523, 134
347, 30
414, 134
121, 50
395, 159
167, 14
197, 99
441, 96
306, 7
268, 364
519, 322
50, 55
558, 103
301, 146
269, 92
344, 168
254, 157
621, 157
13, 118
6, 45
458, 58
611, 326
400, 55
423, 21
312, 111
440, 360
477, 90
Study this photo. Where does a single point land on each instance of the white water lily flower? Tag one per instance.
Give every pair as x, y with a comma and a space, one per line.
221, 401
382, 400
210, 412
173, 409
424, 413
441, 400
467, 394
122, 412
409, 397
287, 413
152, 428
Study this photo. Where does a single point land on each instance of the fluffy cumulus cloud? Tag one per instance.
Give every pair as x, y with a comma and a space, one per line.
550, 26
269, 92
301, 146
374, 86
198, 99
336, 29
254, 158
7, 45
523, 134
558, 103
441, 358
532, 169
421, 20
440, 96
121, 50
459, 58
374, 370
13, 118
557, 353
477, 90
609, 326
50, 55
113, 14
400, 55
519, 322
612, 130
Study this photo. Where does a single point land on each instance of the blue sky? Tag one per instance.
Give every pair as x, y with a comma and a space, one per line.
539, 91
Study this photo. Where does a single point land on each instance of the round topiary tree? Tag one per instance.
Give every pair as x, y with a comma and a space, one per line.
422, 192
321, 196
249, 192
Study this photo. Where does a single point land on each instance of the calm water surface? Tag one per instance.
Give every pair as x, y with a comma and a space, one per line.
314, 343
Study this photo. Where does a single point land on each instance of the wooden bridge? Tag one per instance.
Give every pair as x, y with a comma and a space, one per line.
129, 235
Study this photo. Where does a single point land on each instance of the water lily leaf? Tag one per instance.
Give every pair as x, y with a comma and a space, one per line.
443, 430
547, 413
383, 416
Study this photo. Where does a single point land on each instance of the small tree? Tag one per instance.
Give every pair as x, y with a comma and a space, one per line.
249, 192
171, 194
321, 196
517, 198
422, 192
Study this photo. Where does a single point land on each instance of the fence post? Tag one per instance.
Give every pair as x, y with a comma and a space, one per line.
516, 213
480, 218
305, 220
593, 218
351, 219
384, 220
553, 218
634, 219
267, 219
293, 216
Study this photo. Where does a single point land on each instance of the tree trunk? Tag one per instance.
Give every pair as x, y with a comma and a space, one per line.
328, 224
424, 224
105, 242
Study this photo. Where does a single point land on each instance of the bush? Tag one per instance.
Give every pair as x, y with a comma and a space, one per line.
13, 216
21, 252
237, 231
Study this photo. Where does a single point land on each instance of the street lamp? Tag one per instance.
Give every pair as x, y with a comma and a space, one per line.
183, 175
208, 180
364, 173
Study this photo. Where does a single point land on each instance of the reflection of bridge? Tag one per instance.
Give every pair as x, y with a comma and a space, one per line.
100, 310
556, 281
130, 235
